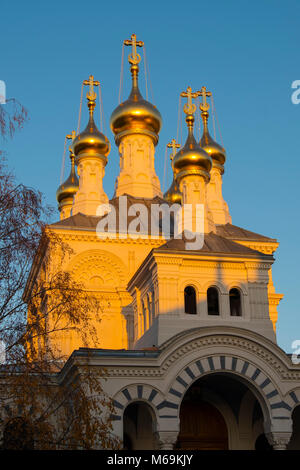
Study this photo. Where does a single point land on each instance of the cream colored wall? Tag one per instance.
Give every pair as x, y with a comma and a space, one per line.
104, 267
170, 274
267, 247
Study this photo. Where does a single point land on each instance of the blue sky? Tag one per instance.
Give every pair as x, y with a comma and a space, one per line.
245, 52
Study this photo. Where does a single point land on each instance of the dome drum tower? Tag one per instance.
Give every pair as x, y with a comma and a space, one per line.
136, 124
217, 206
67, 190
192, 167
91, 149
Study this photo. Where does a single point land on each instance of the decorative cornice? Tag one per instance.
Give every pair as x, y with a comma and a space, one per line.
265, 247
239, 343
81, 234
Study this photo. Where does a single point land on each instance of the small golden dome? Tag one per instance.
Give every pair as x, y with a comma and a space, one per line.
191, 159
91, 142
173, 195
70, 187
217, 153
135, 115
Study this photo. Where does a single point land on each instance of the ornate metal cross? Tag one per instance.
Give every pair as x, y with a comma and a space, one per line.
173, 145
71, 136
204, 106
91, 95
189, 107
134, 58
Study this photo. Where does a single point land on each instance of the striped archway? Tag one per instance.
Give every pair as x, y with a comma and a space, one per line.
266, 392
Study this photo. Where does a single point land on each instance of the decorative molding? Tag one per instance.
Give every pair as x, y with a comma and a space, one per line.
91, 236
279, 440
167, 439
99, 263
239, 343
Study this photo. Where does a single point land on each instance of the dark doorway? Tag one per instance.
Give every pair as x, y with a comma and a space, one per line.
202, 427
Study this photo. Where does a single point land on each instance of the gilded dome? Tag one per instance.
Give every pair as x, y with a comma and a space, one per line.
217, 153
70, 187
191, 159
136, 115
91, 142
173, 195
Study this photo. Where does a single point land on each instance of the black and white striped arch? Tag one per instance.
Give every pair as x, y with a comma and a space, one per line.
167, 406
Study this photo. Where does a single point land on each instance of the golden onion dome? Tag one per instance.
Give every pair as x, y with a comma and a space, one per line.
191, 159
91, 142
136, 115
69, 188
173, 195
217, 153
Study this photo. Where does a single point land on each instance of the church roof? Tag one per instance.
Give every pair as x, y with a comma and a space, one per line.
228, 231
213, 243
224, 241
89, 222
78, 221
234, 232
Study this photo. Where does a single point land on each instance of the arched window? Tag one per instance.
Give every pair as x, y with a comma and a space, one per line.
235, 303
190, 300
213, 301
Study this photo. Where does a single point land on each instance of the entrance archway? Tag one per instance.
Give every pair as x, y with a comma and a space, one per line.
219, 412
139, 427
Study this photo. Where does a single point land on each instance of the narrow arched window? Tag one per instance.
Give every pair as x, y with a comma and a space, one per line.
190, 300
213, 301
235, 303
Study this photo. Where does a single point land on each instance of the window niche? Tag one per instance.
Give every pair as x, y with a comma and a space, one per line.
235, 303
213, 301
190, 303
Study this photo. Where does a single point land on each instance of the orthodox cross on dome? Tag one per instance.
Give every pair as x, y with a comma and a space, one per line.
71, 137
134, 58
189, 107
173, 145
91, 94
204, 106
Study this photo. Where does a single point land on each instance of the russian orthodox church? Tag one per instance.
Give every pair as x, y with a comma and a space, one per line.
187, 336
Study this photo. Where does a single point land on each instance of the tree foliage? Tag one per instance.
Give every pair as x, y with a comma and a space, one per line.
45, 403
13, 115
